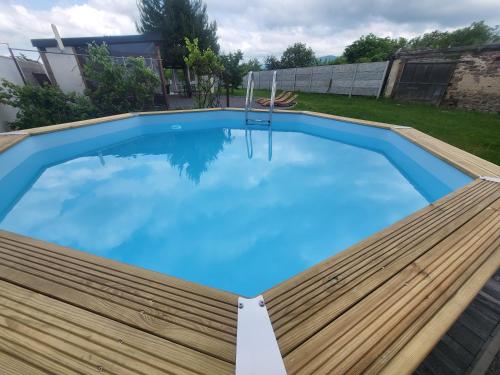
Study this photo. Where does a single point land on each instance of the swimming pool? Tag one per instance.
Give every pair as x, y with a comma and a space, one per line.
202, 197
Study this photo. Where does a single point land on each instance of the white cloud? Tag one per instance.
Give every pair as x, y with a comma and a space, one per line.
256, 27
20, 23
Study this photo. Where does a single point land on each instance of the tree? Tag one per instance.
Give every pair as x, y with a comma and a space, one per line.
208, 69
232, 74
295, 56
339, 60
176, 20
252, 65
370, 48
298, 55
272, 62
44, 105
117, 87
476, 33
141, 83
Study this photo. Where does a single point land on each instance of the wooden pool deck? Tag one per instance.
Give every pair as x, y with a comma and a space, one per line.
378, 307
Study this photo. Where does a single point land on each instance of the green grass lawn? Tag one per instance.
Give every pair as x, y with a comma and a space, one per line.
475, 132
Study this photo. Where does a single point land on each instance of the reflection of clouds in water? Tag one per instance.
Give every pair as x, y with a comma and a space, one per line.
314, 198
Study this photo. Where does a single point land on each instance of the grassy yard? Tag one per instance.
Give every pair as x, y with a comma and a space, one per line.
475, 132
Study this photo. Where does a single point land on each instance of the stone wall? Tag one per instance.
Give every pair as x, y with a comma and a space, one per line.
476, 83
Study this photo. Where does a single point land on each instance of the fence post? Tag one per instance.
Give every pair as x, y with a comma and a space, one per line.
295, 80
331, 80
14, 60
353, 79
311, 80
164, 89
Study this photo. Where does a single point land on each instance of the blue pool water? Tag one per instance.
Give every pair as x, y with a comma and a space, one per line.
199, 197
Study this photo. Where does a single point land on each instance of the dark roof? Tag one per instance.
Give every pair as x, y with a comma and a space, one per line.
82, 41
451, 50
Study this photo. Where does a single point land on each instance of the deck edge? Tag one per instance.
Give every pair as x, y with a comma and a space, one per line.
413, 353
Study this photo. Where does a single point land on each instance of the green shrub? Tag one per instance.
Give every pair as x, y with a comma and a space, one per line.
141, 83
208, 69
44, 105
116, 87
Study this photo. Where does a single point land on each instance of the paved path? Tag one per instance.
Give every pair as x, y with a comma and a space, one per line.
180, 102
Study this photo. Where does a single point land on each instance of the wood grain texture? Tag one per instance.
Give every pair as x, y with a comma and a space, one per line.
39, 334
478, 325
189, 314
356, 311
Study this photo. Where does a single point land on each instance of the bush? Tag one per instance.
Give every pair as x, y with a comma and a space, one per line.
208, 69
114, 88
118, 87
44, 105
141, 83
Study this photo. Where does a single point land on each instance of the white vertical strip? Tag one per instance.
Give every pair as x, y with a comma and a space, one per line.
383, 80
257, 350
489, 178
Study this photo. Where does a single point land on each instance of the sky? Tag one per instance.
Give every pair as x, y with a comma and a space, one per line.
257, 27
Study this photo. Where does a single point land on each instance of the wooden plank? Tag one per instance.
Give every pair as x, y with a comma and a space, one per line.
176, 111
373, 261
195, 316
7, 140
457, 351
26, 348
472, 341
205, 295
10, 364
197, 338
417, 326
487, 355
78, 124
417, 310
481, 327
469, 163
422, 342
64, 339
447, 357
280, 293
402, 229
347, 335
154, 308
310, 320
152, 298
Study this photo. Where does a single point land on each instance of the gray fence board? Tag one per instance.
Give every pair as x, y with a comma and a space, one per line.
356, 79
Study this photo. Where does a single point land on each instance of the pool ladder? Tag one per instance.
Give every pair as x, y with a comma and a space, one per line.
255, 121
249, 102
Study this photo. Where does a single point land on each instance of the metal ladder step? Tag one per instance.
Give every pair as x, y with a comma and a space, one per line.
249, 101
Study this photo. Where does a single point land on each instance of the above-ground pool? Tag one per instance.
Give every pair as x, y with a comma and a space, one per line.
203, 197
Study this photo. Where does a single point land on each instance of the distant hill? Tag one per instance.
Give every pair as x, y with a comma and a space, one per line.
326, 59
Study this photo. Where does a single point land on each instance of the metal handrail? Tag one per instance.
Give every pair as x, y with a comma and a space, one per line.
249, 142
273, 96
249, 95
249, 99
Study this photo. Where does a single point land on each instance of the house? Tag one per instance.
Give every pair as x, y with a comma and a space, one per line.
65, 67
19, 71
